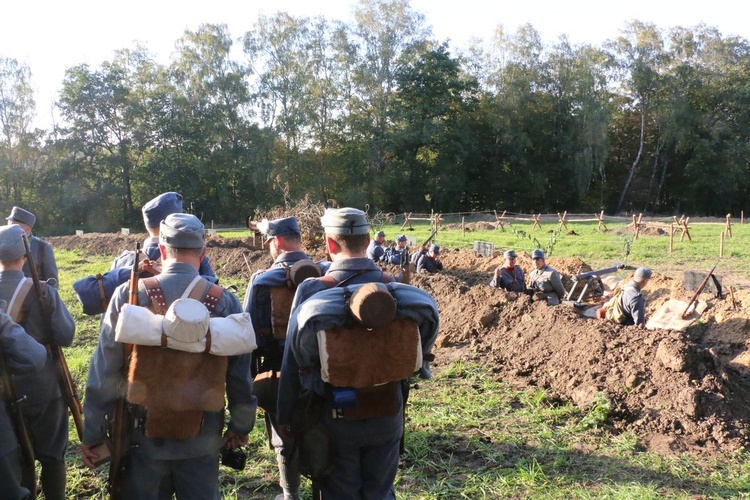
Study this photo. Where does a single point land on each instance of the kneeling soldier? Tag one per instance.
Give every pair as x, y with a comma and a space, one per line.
346, 366
178, 428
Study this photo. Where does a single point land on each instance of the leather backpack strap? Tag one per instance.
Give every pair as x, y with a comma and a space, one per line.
209, 295
155, 294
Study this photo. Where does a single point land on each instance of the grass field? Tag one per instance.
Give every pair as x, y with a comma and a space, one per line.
470, 436
616, 244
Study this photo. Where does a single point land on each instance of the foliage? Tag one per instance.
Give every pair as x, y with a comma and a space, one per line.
376, 111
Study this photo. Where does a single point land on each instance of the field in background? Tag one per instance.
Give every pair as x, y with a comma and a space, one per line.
599, 249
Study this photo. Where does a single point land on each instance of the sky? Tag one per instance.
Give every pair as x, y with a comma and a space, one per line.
51, 36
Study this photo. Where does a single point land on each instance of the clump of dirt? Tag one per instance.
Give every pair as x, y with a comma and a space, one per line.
647, 229
678, 391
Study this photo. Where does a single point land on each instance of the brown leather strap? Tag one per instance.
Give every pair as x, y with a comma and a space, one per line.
102, 295
208, 342
155, 294
211, 300
209, 295
288, 277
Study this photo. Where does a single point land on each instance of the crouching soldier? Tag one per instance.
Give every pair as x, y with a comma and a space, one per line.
354, 338
545, 282
176, 398
44, 409
269, 302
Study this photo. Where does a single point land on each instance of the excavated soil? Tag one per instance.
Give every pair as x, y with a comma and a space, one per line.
678, 391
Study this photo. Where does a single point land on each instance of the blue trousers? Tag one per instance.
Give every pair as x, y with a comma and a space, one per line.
192, 478
10, 476
367, 454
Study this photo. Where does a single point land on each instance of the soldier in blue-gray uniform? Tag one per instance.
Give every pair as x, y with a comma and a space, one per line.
392, 255
193, 462
41, 251
366, 450
268, 300
430, 261
375, 249
633, 303
22, 354
509, 276
154, 212
44, 410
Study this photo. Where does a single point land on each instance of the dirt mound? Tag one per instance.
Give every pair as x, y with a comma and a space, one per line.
472, 226
647, 229
676, 390
679, 391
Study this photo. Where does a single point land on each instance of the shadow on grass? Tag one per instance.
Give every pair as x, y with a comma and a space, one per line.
446, 466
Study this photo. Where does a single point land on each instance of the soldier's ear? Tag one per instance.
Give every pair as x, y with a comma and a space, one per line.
333, 246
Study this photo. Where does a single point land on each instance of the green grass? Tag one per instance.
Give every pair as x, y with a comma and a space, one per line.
469, 435
616, 244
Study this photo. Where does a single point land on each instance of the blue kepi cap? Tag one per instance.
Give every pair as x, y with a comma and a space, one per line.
157, 209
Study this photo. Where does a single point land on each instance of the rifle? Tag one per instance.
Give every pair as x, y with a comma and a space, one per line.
700, 289
8, 391
122, 419
65, 379
405, 266
427, 241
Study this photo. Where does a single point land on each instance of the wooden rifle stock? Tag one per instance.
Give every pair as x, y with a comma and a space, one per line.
65, 379
8, 391
122, 420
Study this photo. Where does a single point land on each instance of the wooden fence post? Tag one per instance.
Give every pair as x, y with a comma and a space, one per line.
729, 226
671, 238
721, 245
601, 224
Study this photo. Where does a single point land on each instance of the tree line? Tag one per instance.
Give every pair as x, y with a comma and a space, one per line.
377, 111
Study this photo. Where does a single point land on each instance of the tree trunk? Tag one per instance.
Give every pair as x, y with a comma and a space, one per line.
635, 163
661, 184
653, 176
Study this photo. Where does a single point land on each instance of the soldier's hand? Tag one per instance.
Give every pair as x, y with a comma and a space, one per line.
88, 456
233, 441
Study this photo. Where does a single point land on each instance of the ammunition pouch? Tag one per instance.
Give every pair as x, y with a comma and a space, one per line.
266, 389
370, 402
